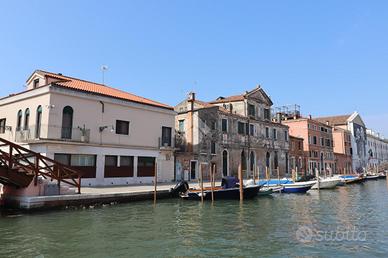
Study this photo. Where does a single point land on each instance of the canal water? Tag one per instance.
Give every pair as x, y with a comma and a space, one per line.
351, 221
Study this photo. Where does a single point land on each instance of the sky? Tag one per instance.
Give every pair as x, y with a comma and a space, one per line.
329, 57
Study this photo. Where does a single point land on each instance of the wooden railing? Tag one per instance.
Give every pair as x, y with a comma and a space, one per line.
18, 158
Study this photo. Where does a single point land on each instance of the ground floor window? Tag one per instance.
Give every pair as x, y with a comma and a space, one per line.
84, 163
118, 166
145, 166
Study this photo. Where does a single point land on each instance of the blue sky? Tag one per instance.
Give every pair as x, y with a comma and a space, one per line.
330, 57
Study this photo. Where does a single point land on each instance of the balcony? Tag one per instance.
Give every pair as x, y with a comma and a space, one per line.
166, 143
51, 132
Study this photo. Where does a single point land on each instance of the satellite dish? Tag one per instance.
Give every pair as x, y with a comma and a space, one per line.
104, 67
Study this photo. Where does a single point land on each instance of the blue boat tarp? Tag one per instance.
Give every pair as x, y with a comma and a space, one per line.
275, 182
348, 177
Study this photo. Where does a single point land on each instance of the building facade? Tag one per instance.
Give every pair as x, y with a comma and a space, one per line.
317, 144
297, 155
355, 125
111, 136
229, 132
377, 149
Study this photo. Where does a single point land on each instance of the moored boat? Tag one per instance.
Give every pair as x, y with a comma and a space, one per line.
326, 183
298, 187
382, 175
229, 189
371, 177
351, 179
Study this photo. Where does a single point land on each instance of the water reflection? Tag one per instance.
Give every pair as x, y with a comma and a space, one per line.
261, 227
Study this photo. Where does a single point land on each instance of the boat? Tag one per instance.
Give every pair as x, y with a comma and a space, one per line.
229, 189
327, 183
289, 186
265, 191
297, 187
351, 179
382, 175
371, 177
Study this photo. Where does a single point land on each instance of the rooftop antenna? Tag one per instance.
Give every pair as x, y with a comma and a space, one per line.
103, 69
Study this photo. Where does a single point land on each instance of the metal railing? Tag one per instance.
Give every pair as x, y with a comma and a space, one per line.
52, 132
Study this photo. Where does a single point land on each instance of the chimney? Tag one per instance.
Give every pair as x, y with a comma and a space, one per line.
310, 117
231, 108
191, 99
327, 123
190, 134
279, 117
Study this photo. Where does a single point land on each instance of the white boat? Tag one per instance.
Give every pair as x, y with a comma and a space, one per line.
327, 183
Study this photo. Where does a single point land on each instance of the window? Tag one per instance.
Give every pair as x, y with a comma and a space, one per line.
224, 125
63, 158
213, 125
213, 148
67, 122
267, 114
322, 141
38, 121
36, 83
286, 136
122, 127
166, 136
27, 119
181, 125
251, 110
19, 120
110, 161
241, 127
126, 161
274, 134
251, 129
145, 166
82, 160
300, 145
2, 125
328, 143
267, 132
315, 140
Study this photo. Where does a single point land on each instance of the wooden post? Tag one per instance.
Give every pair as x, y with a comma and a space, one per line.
267, 175
258, 175
254, 174
201, 179
155, 180
240, 178
213, 169
277, 170
296, 172
293, 175
317, 176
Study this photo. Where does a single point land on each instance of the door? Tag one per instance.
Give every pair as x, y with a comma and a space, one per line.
193, 169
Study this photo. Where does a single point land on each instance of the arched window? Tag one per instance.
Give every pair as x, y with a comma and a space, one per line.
252, 161
275, 160
67, 122
243, 161
38, 121
27, 119
224, 163
19, 120
267, 159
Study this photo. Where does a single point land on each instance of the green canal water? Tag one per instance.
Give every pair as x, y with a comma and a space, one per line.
350, 221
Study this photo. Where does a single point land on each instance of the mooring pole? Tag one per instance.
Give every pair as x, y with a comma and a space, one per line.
277, 170
317, 175
212, 172
201, 173
155, 180
240, 178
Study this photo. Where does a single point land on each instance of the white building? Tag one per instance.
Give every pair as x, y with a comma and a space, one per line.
377, 148
111, 136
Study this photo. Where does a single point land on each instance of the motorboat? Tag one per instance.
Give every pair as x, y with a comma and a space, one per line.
326, 183
229, 189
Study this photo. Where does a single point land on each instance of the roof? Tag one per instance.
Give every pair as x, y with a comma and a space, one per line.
229, 99
334, 120
92, 87
241, 97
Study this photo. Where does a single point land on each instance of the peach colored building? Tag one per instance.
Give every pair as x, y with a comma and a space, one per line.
342, 150
111, 136
317, 144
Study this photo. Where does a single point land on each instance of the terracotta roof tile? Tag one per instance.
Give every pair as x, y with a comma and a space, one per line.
229, 99
333, 120
78, 84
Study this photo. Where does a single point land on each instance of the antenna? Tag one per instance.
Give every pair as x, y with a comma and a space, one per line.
103, 69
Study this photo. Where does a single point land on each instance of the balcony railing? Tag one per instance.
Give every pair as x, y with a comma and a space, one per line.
52, 132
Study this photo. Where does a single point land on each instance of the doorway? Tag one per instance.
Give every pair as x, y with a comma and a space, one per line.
193, 169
